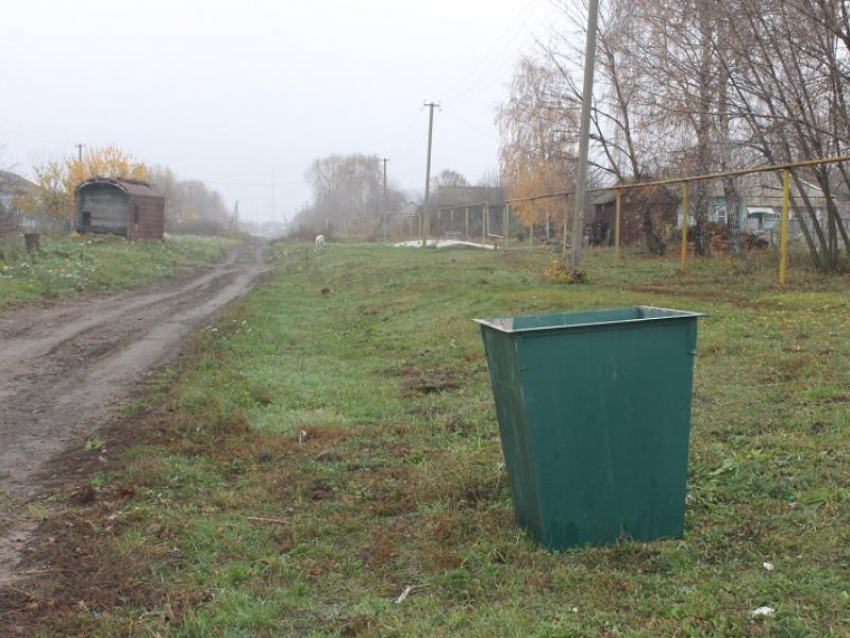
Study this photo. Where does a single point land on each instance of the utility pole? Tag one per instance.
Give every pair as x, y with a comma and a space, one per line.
384, 199
350, 173
426, 219
80, 151
584, 134
274, 196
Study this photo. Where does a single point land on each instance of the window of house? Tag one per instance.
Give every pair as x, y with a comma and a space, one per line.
720, 213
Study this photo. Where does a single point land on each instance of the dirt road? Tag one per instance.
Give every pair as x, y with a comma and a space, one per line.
64, 369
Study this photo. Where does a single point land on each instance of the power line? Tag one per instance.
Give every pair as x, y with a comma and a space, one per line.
471, 126
500, 62
530, 151
407, 135
257, 184
496, 71
499, 41
413, 141
687, 179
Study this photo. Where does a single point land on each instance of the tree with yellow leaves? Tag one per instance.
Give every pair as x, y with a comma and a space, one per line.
537, 150
57, 180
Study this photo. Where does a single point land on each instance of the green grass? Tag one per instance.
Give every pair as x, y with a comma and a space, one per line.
372, 352
67, 266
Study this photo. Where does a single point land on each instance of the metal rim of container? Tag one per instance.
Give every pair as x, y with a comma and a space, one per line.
679, 314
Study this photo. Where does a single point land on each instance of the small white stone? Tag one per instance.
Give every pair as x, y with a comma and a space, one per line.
760, 612
768, 566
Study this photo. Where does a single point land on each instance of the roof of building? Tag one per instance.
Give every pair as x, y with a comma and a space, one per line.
467, 195
129, 186
14, 184
410, 208
650, 194
605, 197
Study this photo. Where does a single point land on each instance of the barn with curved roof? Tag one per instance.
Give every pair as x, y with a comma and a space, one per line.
126, 207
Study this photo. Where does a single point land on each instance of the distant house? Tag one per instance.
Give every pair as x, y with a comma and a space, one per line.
761, 202
841, 192
130, 208
410, 209
760, 208
12, 188
447, 196
451, 201
636, 205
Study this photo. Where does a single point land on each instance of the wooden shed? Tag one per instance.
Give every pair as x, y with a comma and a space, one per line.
124, 207
658, 203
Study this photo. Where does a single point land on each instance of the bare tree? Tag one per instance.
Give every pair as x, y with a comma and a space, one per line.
538, 149
448, 177
345, 187
789, 77
190, 205
694, 87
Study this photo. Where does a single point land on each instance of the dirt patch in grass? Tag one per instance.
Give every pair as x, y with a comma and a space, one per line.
85, 575
70, 566
419, 381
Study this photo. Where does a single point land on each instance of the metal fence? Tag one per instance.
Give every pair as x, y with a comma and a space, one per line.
500, 232
497, 224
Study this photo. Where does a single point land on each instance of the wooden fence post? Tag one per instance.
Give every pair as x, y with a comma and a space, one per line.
686, 209
783, 232
566, 218
617, 229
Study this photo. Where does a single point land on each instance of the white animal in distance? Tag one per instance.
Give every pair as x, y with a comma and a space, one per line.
320, 241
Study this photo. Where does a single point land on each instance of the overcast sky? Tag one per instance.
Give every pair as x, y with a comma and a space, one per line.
234, 93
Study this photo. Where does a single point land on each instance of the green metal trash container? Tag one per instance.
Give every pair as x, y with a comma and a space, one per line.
594, 414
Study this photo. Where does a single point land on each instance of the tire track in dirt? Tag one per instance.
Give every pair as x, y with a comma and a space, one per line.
65, 369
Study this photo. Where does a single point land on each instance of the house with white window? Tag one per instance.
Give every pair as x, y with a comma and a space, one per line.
761, 202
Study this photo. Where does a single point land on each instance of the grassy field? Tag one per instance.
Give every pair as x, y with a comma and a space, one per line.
332, 442
67, 266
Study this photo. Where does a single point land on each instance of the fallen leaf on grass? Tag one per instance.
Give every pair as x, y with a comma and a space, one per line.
404, 594
762, 612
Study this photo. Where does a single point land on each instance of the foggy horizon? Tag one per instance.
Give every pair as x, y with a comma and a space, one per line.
242, 97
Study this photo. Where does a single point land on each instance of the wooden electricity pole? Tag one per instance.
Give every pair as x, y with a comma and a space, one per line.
425, 213
384, 199
584, 135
